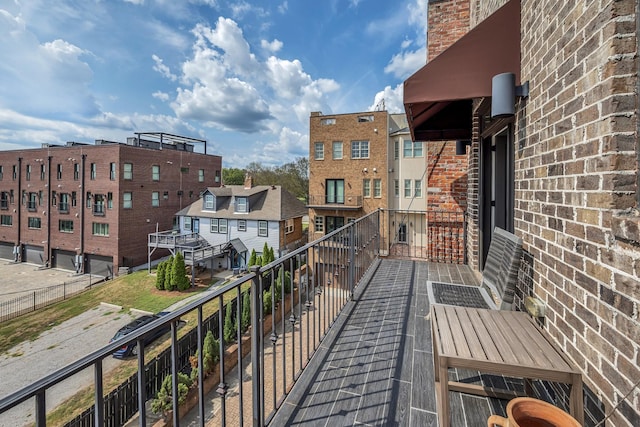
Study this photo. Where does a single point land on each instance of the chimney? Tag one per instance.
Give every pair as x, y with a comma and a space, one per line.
248, 182
448, 20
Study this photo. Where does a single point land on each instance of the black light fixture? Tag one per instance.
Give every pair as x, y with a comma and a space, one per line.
461, 147
503, 94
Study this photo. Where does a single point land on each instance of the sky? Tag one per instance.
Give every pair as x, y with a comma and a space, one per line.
244, 75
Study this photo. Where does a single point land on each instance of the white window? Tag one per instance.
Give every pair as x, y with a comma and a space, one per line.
263, 229
318, 151
407, 188
288, 226
396, 150
100, 229
155, 173
187, 223
127, 172
365, 119
112, 171
330, 121
241, 204
223, 226
155, 198
200, 175
412, 149
208, 201
366, 187
242, 225
94, 171
359, 149
214, 225
337, 150
127, 200
417, 184
319, 224
396, 187
377, 188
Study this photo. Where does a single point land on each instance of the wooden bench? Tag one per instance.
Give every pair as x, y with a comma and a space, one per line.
500, 342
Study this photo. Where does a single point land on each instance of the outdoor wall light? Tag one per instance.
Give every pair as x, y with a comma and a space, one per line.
503, 94
461, 147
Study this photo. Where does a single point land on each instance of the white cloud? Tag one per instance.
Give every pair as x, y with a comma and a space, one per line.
273, 46
162, 68
392, 99
405, 63
242, 8
138, 2
162, 96
283, 7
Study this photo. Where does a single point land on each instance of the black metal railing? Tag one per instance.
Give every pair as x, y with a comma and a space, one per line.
347, 200
293, 303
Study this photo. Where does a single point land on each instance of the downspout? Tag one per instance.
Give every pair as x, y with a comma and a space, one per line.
19, 195
49, 207
82, 209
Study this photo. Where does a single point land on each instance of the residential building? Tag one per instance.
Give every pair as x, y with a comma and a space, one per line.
245, 217
546, 95
89, 208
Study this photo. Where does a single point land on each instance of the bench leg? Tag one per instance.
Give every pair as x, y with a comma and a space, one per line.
436, 359
444, 412
576, 402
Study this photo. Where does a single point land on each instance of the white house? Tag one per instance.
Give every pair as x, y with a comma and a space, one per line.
245, 217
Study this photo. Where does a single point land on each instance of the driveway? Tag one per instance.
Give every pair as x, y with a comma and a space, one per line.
31, 360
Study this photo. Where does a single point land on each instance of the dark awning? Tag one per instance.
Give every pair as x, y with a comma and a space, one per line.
235, 244
437, 98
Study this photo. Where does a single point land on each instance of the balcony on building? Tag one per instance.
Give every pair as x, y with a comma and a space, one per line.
343, 202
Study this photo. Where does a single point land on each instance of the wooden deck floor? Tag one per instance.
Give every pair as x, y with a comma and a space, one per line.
375, 367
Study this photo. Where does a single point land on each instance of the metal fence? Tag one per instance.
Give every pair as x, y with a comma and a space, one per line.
282, 341
40, 298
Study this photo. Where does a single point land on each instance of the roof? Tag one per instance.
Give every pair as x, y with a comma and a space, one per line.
266, 202
437, 98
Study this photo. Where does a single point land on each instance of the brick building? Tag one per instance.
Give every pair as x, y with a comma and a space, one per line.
90, 207
560, 169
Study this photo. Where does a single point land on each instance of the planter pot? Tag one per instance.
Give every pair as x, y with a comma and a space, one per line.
529, 412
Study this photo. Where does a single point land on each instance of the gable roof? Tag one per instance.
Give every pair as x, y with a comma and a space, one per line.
266, 202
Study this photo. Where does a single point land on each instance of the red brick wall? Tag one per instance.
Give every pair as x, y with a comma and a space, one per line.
447, 177
448, 21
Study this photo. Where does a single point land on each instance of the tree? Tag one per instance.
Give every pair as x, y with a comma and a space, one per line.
232, 176
178, 274
160, 272
168, 275
267, 302
266, 258
163, 401
230, 324
259, 261
252, 258
246, 311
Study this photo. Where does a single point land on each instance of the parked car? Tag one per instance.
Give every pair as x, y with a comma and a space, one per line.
130, 349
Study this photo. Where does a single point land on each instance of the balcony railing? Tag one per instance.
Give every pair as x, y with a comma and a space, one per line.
63, 207
32, 206
98, 209
336, 202
283, 337
4, 204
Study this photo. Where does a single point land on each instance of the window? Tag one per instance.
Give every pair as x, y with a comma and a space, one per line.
396, 187
319, 224
65, 226
110, 200
402, 233
187, 223
417, 185
200, 175
263, 228
4, 200
217, 178
288, 226
214, 225
365, 119
222, 226
1, 172
64, 202
412, 149
241, 204
337, 150
377, 188
329, 121
127, 200
98, 204
208, 201
76, 171
318, 151
127, 172
53, 198
366, 187
28, 173
6, 220
359, 149
100, 229
34, 222
334, 191
155, 199
15, 172
94, 171
112, 171
333, 223
43, 171
407, 188
396, 150
59, 171
242, 225
33, 201
155, 173
74, 198
88, 200
165, 195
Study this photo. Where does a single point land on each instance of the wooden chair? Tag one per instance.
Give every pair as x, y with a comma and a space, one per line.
499, 278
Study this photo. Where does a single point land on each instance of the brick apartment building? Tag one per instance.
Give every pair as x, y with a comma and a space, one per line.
560, 169
89, 208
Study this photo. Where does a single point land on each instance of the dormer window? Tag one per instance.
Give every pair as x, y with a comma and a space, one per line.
209, 202
242, 205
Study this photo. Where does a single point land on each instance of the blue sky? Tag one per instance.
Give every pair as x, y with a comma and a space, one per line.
244, 75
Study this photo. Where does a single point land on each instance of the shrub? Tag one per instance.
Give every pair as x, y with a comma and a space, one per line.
163, 401
252, 258
211, 356
229, 324
259, 261
246, 311
265, 254
179, 276
168, 275
160, 271
267, 302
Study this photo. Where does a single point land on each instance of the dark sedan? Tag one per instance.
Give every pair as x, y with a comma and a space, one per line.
130, 349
